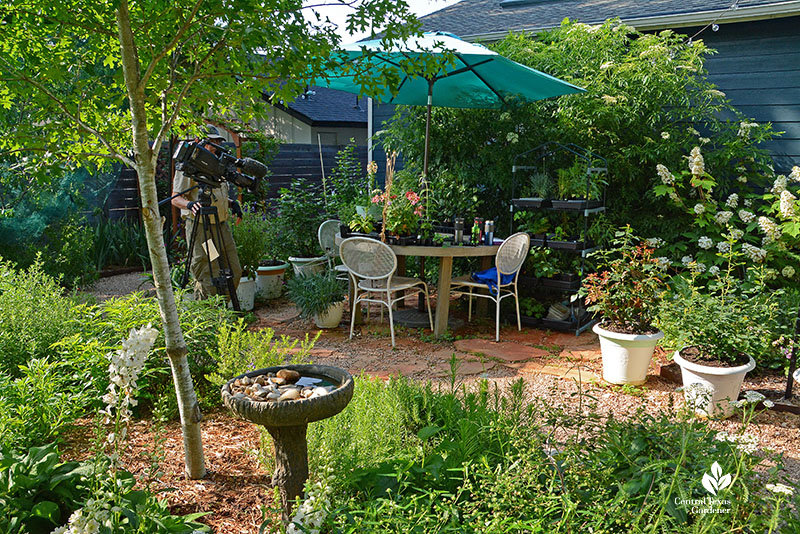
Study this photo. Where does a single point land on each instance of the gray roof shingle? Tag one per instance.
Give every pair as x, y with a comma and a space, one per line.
323, 106
470, 18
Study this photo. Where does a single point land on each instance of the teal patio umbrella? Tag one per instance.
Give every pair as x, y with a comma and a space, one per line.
477, 78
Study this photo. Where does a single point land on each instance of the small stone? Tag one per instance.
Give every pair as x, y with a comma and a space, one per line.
320, 391
306, 393
287, 387
246, 381
289, 375
240, 396
270, 375
261, 380
273, 396
237, 382
290, 394
278, 381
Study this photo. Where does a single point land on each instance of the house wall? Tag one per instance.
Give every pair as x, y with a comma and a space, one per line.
758, 68
291, 130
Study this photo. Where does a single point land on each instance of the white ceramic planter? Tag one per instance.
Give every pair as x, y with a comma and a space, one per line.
246, 292
307, 266
269, 280
626, 357
331, 317
710, 389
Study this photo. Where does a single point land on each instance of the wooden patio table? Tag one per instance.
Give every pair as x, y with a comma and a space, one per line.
445, 255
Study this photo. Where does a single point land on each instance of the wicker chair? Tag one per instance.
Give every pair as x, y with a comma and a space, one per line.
372, 265
326, 234
510, 257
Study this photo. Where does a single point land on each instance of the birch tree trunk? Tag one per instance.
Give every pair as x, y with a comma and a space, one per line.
145, 163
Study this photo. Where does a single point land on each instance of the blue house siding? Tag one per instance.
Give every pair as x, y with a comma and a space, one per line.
758, 67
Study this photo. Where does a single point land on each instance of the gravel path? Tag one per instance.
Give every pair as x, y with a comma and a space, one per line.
121, 284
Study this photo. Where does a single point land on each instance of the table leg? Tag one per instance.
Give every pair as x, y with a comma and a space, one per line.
401, 271
443, 296
482, 306
420, 300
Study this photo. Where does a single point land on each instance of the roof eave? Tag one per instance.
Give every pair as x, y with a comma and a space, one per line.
790, 8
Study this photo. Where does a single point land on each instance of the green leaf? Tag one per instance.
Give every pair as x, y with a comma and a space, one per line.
428, 432
48, 510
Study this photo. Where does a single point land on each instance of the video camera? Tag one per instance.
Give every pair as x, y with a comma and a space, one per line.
211, 169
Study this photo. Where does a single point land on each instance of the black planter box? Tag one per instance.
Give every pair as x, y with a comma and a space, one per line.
537, 202
563, 282
576, 204
572, 244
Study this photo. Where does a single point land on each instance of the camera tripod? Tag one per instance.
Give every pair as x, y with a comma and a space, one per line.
223, 282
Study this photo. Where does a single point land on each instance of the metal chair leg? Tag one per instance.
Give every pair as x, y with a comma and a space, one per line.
516, 300
353, 311
428, 302
497, 318
469, 307
391, 317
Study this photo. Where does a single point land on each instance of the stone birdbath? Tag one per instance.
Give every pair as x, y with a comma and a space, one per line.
285, 410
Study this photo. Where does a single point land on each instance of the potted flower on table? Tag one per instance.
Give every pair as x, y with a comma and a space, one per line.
402, 215
627, 296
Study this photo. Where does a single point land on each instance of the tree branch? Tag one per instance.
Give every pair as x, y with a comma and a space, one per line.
166, 50
100, 137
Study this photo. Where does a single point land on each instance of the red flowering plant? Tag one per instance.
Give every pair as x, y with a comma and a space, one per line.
628, 292
402, 212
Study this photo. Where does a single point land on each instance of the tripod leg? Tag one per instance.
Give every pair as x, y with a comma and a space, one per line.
224, 267
189, 252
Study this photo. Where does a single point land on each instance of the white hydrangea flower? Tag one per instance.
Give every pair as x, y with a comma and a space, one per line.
788, 271
742, 179
722, 217
779, 186
770, 229
654, 242
770, 274
787, 204
723, 247
780, 488
748, 202
713, 270
747, 216
795, 174
699, 209
705, 242
744, 128
686, 260
696, 162
733, 200
666, 177
663, 263
736, 234
698, 267
755, 254
704, 140
674, 196
664, 135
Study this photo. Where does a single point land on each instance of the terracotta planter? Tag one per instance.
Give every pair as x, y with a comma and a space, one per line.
269, 280
331, 317
626, 357
710, 389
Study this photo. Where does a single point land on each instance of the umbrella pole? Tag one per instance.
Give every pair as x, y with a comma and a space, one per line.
424, 184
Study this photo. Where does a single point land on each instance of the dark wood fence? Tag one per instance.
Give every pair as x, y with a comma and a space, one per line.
302, 161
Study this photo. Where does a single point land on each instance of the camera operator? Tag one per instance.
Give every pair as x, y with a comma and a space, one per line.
189, 206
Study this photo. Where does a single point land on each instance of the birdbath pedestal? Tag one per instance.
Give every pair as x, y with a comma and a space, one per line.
287, 421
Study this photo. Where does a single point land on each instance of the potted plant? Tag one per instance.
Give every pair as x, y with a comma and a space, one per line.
250, 237
540, 188
402, 214
578, 188
717, 329
300, 213
320, 296
627, 296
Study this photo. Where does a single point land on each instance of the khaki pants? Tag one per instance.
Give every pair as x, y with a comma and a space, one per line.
203, 288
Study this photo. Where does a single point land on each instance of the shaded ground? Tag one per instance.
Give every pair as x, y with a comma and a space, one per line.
554, 366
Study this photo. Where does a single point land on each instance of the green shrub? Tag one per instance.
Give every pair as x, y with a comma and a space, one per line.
238, 350
34, 314
119, 243
315, 293
37, 406
407, 459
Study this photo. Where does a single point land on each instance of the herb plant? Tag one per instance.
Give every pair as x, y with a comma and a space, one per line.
250, 235
315, 293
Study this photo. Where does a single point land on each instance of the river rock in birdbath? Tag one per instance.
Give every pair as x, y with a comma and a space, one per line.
284, 386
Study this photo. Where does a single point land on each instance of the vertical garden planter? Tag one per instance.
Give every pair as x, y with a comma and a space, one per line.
626, 357
710, 389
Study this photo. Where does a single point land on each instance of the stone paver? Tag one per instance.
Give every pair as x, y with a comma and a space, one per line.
508, 352
575, 354
442, 369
